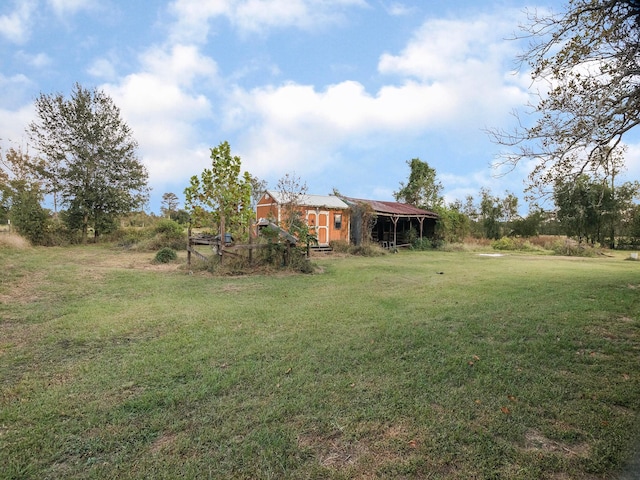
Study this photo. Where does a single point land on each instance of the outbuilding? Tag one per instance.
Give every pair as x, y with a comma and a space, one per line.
327, 215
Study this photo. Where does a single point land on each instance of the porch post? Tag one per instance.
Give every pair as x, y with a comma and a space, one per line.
394, 219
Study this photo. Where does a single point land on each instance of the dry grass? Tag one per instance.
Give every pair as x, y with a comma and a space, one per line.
13, 240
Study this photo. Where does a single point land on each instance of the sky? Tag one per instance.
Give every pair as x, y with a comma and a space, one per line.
338, 93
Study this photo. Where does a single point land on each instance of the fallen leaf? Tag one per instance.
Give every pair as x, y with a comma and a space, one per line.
413, 444
288, 371
505, 410
476, 358
470, 363
625, 376
478, 402
512, 398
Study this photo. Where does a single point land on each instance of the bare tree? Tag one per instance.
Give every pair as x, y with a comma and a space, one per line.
586, 62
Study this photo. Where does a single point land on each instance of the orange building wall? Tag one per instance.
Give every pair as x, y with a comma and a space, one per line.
322, 219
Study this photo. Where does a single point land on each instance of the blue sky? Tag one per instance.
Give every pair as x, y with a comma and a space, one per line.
341, 93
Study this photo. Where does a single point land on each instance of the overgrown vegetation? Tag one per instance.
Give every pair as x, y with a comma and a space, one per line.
439, 365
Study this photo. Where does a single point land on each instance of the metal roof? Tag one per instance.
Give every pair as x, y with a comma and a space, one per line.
328, 201
394, 208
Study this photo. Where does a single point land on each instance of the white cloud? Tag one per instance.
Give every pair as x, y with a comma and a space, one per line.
180, 65
15, 26
256, 16
14, 90
397, 9
13, 124
162, 111
69, 7
467, 57
102, 68
451, 78
38, 60
632, 162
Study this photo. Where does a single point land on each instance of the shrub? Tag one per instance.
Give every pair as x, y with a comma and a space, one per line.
505, 243
169, 228
367, 250
166, 255
129, 236
572, 248
339, 246
424, 244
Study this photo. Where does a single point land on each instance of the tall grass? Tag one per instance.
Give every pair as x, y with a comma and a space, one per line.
415, 365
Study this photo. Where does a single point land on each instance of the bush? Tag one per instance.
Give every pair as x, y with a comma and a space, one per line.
422, 244
169, 229
511, 243
505, 243
166, 255
339, 246
129, 236
572, 248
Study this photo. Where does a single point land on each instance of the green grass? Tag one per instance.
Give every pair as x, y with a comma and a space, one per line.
415, 365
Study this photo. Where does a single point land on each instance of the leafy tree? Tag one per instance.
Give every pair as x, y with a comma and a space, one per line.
224, 191
21, 196
591, 209
422, 189
588, 58
27, 214
452, 224
528, 226
491, 212
181, 216
169, 204
633, 225
90, 157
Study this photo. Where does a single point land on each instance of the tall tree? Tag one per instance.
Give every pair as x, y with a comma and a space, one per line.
588, 58
491, 211
169, 203
422, 189
591, 209
90, 156
224, 191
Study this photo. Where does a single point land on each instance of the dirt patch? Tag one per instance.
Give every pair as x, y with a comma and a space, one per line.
334, 451
164, 443
537, 442
24, 289
361, 457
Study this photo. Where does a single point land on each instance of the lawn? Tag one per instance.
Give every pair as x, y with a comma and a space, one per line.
414, 365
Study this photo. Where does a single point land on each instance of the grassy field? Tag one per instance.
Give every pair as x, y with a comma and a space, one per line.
415, 365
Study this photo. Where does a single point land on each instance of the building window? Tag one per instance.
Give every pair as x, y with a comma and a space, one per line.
337, 221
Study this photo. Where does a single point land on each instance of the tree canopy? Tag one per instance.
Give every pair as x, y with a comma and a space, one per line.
223, 190
586, 62
89, 154
422, 189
